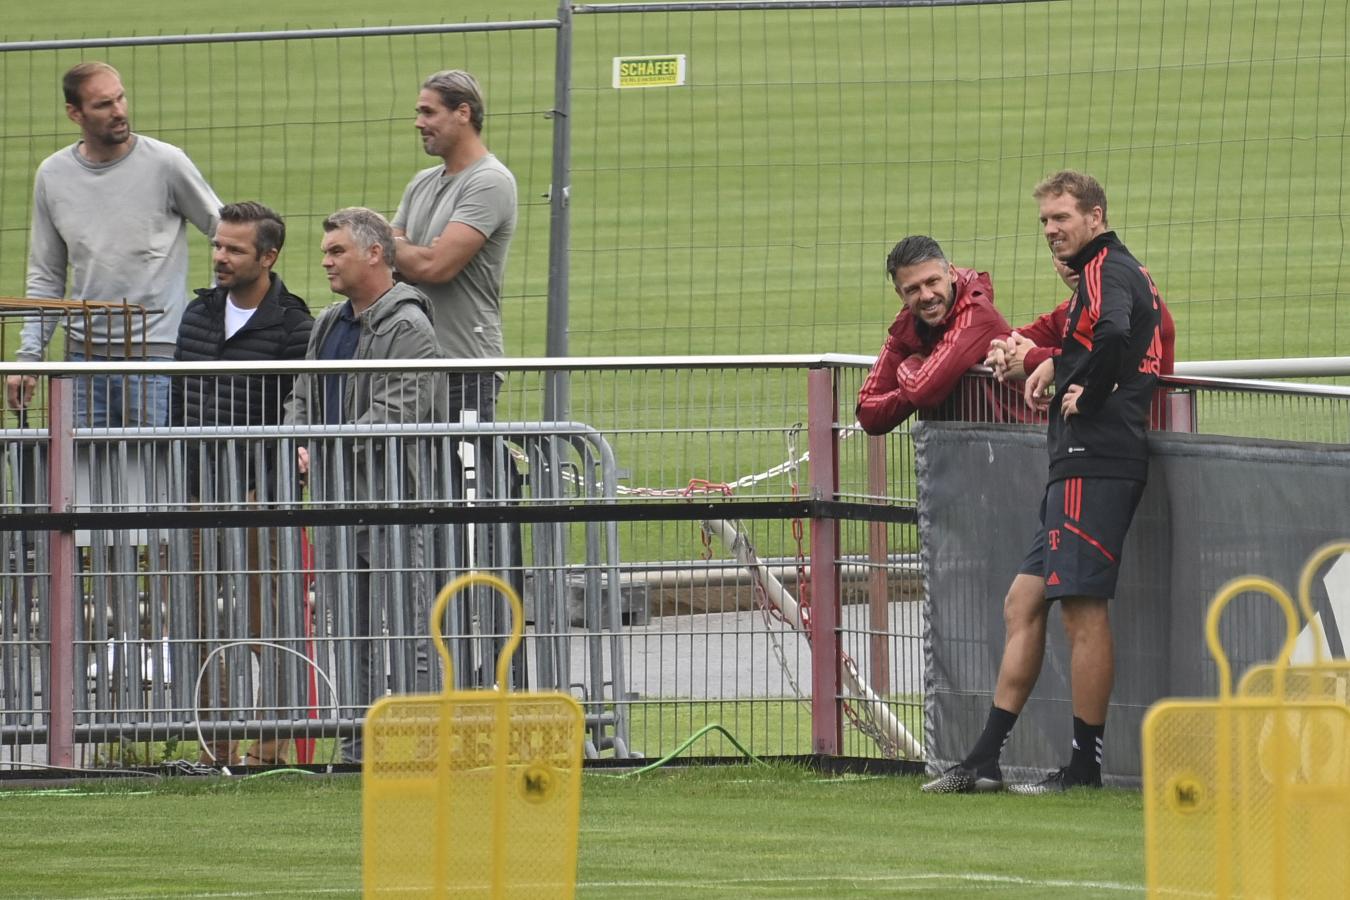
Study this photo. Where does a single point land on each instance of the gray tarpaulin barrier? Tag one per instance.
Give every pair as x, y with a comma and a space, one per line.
1216, 508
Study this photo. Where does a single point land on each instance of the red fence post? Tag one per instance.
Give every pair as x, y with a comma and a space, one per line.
827, 736
61, 566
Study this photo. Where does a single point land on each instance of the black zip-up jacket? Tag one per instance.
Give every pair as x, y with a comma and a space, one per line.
278, 330
1112, 346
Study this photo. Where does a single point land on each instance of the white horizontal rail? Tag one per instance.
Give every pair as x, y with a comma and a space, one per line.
306, 34
517, 364
1289, 367
1292, 367
1257, 386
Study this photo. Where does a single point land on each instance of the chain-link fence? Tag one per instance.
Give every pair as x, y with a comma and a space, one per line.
747, 206
711, 544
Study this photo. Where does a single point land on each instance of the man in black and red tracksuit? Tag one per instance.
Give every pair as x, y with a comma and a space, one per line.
944, 328
1111, 352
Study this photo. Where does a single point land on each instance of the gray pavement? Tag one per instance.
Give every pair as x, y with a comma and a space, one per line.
727, 656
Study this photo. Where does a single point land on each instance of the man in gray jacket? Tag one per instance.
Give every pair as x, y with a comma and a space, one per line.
113, 208
371, 583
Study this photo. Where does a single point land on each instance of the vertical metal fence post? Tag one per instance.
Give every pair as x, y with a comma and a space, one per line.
556, 399
878, 581
61, 565
827, 735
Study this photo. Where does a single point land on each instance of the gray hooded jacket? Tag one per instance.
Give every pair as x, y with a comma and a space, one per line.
396, 326
363, 472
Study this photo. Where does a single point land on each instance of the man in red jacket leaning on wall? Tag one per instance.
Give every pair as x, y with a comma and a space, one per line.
946, 327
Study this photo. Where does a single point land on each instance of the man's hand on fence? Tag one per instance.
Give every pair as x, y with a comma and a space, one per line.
1008, 357
302, 459
19, 390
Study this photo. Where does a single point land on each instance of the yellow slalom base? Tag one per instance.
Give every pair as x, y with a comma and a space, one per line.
472, 793
1249, 796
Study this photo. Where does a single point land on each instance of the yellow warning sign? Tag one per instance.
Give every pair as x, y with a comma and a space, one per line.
649, 71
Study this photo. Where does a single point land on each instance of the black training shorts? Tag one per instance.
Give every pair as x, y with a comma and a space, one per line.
1083, 526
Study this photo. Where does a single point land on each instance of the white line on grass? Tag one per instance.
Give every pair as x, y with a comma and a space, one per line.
875, 879
694, 884
70, 792
209, 895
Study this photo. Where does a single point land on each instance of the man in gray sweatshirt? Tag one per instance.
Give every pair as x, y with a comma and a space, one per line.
112, 209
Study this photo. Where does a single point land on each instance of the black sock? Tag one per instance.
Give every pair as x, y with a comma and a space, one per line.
1087, 749
984, 757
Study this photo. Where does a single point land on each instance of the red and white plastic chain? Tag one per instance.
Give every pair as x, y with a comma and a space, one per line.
702, 486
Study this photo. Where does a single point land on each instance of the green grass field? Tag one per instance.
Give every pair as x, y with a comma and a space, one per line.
751, 210
778, 832
748, 212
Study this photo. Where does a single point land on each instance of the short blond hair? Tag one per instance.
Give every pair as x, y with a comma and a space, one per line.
1080, 186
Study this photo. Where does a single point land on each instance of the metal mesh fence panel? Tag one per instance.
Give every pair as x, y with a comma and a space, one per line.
239, 631
306, 125
751, 209
667, 541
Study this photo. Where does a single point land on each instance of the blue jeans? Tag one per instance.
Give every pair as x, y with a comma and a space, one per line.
120, 401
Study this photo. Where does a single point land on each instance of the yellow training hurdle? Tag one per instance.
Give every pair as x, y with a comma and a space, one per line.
472, 793
1249, 795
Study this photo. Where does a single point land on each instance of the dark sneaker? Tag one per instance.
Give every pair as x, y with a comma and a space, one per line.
1056, 782
960, 780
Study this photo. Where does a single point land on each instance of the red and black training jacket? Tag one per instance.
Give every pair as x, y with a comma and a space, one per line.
1112, 345
920, 367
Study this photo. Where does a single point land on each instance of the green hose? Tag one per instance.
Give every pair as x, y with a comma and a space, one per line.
270, 772
685, 746
650, 767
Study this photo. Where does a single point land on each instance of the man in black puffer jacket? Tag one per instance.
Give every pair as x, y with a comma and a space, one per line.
247, 315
